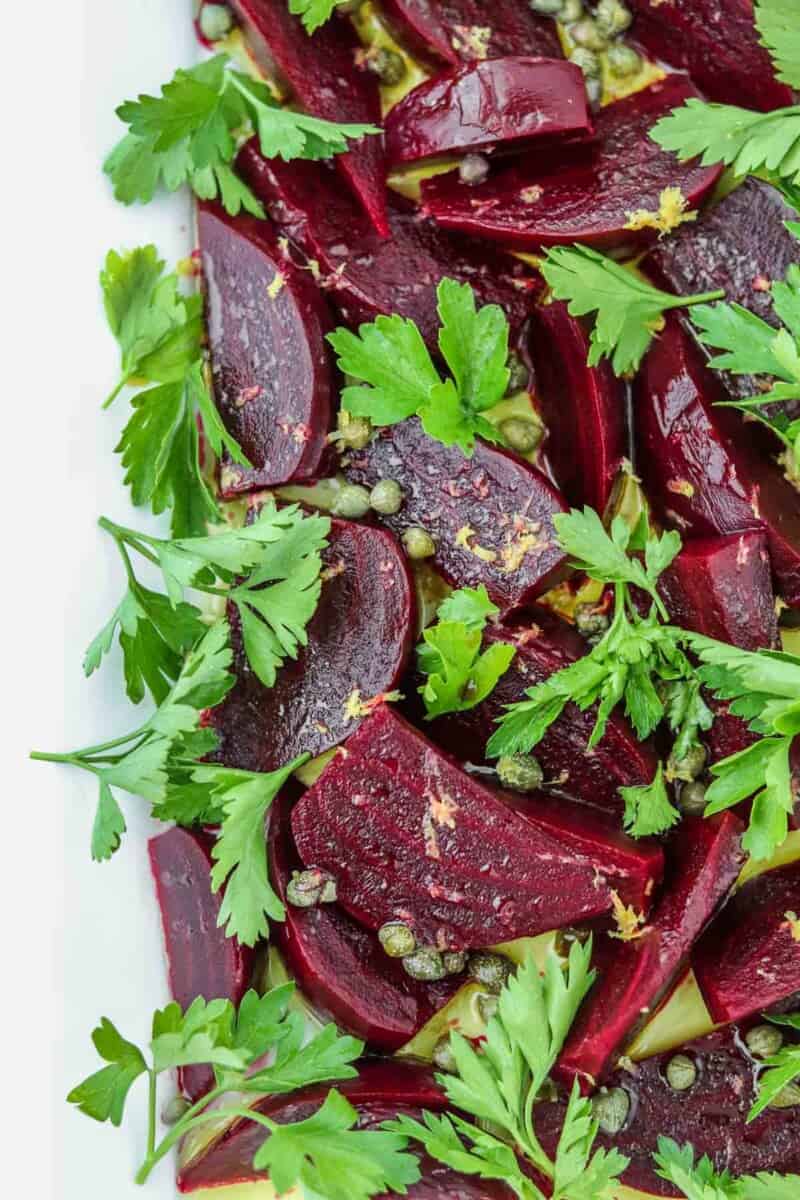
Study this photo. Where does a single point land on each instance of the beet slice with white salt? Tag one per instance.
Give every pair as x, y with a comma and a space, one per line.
579, 193
201, 960
490, 516
323, 73
455, 31
749, 959
704, 469
496, 104
636, 976
410, 836
359, 640
269, 360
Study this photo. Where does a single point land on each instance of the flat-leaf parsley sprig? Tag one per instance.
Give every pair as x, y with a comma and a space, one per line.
459, 675
781, 1069
699, 1180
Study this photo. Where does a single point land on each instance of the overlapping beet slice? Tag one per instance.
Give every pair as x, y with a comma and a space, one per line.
581, 193
635, 976
490, 516
717, 42
495, 104
358, 642
201, 960
411, 836
455, 31
322, 72
749, 959
584, 408
704, 469
366, 275
270, 364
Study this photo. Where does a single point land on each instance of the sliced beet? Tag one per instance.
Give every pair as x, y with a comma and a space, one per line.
579, 193
365, 275
583, 408
358, 641
496, 104
717, 42
636, 976
750, 957
340, 966
711, 1115
323, 73
491, 516
704, 468
270, 365
411, 836
201, 960
546, 644
455, 31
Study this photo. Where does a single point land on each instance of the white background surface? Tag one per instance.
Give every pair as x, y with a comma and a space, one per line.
80, 940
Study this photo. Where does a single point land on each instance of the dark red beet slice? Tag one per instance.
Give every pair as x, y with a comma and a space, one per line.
580, 193
201, 960
740, 245
455, 31
340, 966
411, 836
711, 1115
500, 103
491, 516
704, 469
365, 275
272, 373
322, 72
583, 407
635, 976
750, 957
545, 644
717, 42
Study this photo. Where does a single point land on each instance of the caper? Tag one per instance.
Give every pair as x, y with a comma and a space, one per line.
622, 60
492, 971
443, 1056
681, 1072
522, 772
311, 887
174, 1109
425, 964
216, 20
521, 434
612, 17
397, 939
692, 799
590, 621
587, 34
354, 432
473, 168
763, 1040
389, 66
610, 1109
546, 8
690, 766
386, 497
571, 10
487, 1007
418, 542
518, 374
454, 961
351, 501
787, 1097
587, 61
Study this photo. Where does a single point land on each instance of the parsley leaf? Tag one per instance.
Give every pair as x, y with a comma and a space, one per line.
776, 21
766, 1185
459, 675
579, 1174
782, 1068
697, 1181
471, 606
313, 12
647, 807
102, 1096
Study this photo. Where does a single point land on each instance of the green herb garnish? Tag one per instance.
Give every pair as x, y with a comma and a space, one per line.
459, 675
700, 1181
314, 13
782, 1069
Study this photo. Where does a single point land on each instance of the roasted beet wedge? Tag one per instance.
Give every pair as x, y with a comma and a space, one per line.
201, 960
635, 976
703, 468
740, 245
340, 966
497, 104
411, 836
491, 516
358, 642
323, 75
750, 957
583, 408
546, 644
455, 31
717, 42
580, 193
272, 373
711, 1115
366, 276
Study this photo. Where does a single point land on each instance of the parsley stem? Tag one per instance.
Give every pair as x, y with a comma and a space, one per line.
700, 298
80, 758
198, 1114
133, 537
109, 400
151, 1112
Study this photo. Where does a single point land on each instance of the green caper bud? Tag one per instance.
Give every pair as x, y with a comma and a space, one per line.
681, 1073
473, 168
354, 432
612, 17
443, 1056
389, 66
587, 34
418, 542
590, 621
521, 434
308, 888
351, 501
454, 961
587, 61
787, 1097
571, 10
622, 60
522, 772
546, 8
610, 1109
518, 374
763, 1040
492, 971
692, 799
487, 1007
216, 20
174, 1109
688, 767
425, 964
397, 939
386, 497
